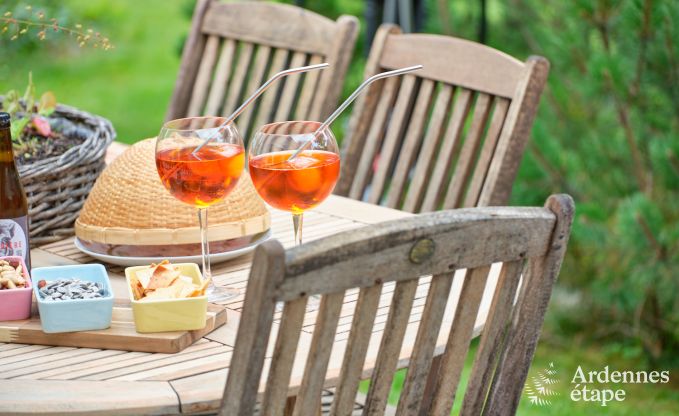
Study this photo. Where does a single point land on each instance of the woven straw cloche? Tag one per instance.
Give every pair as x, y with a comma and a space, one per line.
129, 212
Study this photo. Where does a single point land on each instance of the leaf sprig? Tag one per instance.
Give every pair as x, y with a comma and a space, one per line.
17, 27
28, 112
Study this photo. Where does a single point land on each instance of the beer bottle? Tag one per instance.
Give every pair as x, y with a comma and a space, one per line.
13, 203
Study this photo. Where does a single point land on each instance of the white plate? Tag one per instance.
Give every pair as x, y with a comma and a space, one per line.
142, 261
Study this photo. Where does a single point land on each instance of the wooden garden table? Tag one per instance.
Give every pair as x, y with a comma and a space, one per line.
44, 379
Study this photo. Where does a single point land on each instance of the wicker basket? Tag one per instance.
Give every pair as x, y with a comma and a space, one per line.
130, 213
57, 187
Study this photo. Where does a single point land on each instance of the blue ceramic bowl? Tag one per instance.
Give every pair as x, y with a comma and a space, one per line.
74, 314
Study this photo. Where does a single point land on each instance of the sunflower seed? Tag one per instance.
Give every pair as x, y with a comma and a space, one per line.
71, 289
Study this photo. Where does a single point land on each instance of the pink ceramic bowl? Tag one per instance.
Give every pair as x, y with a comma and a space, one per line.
16, 303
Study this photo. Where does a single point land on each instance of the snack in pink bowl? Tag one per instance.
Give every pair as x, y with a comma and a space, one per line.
16, 293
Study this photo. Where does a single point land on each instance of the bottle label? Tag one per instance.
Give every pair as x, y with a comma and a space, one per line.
14, 238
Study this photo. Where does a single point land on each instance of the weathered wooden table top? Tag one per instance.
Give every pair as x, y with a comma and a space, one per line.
44, 379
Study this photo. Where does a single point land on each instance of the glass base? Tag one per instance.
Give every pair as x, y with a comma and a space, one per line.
221, 294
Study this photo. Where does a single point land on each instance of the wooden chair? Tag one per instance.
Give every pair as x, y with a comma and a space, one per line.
234, 47
450, 136
530, 242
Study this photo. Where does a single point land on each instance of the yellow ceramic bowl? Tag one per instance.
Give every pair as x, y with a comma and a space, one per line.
169, 314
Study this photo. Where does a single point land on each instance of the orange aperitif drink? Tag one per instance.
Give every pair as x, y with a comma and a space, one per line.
298, 184
204, 177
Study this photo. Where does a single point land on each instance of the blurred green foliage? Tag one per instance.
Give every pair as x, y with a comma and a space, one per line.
607, 132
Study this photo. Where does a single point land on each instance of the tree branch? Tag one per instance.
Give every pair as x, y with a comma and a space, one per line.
644, 36
673, 67
553, 173
444, 15
674, 161
601, 24
623, 116
650, 237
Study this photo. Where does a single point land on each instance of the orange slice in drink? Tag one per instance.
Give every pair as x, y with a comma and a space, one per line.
305, 176
233, 165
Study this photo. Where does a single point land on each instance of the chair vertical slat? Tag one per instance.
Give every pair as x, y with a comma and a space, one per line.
283, 357
265, 109
374, 138
239, 76
247, 362
221, 78
491, 338
451, 143
204, 76
308, 90
529, 313
309, 396
481, 169
515, 133
354, 356
458, 342
339, 57
256, 79
284, 107
394, 135
413, 138
188, 69
361, 121
468, 153
425, 342
390, 347
425, 161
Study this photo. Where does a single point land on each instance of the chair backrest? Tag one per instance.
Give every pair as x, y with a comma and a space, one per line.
530, 243
451, 135
234, 47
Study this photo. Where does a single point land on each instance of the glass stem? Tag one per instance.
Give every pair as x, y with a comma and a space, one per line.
297, 225
204, 244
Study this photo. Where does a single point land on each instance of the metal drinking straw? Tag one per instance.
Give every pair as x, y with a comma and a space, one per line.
256, 94
349, 100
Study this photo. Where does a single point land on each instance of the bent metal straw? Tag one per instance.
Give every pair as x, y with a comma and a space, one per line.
349, 100
254, 96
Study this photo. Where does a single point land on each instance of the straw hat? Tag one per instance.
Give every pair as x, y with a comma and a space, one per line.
130, 213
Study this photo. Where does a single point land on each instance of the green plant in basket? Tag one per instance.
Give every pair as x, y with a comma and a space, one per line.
37, 131
30, 119
29, 115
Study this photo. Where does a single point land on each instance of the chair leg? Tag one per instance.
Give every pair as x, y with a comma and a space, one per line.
428, 395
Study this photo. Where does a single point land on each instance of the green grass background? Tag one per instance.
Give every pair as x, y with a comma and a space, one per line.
131, 85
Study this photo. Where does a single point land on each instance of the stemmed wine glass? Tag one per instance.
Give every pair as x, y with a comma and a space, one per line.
294, 184
201, 173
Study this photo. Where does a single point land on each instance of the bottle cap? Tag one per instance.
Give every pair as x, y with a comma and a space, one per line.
4, 120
